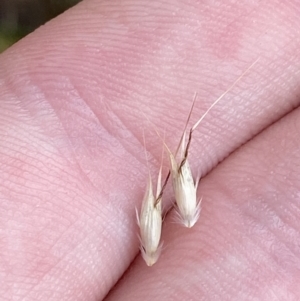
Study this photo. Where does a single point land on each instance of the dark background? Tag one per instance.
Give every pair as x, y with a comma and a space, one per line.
20, 17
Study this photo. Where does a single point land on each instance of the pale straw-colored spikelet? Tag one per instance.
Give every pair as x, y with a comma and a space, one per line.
150, 221
184, 187
185, 190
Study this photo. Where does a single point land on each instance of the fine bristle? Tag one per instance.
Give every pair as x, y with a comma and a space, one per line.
151, 259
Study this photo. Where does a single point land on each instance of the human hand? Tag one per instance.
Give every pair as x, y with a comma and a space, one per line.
72, 159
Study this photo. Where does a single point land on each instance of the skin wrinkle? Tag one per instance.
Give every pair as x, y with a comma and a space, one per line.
94, 115
77, 163
123, 126
72, 144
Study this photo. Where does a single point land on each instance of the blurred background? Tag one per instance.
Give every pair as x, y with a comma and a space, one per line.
20, 17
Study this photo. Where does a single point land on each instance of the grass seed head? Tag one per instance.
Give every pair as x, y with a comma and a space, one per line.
150, 221
185, 191
186, 195
184, 187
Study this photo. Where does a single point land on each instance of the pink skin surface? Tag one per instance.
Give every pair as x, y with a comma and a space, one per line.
72, 167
